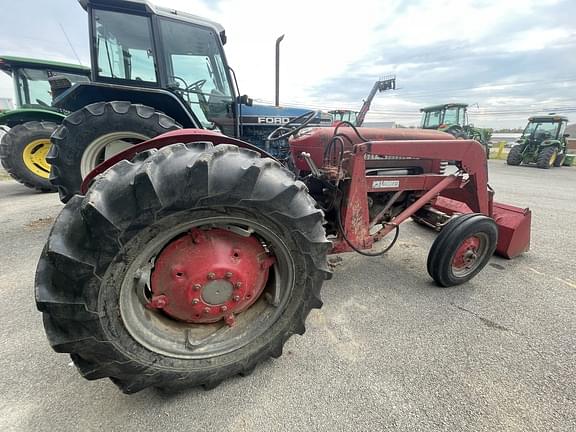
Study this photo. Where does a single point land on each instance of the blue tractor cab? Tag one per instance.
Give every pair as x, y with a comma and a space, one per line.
154, 69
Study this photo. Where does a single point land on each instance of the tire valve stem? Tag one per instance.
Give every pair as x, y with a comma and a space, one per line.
197, 236
229, 319
158, 302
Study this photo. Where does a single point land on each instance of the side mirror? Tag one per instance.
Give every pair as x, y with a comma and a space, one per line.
245, 100
565, 135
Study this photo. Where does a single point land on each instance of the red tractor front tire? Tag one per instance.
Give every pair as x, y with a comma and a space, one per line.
462, 249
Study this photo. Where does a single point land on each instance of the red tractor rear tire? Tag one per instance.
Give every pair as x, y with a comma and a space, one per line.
462, 249
95, 278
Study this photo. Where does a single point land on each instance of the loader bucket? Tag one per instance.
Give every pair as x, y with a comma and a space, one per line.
513, 224
513, 229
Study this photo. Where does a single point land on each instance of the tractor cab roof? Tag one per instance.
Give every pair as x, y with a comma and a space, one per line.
9, 63
443, 107
144, 6
550, 118
342, 111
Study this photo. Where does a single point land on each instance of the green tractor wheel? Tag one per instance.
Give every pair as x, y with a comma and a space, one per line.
23, 153
547, 157
514, 156
560, 159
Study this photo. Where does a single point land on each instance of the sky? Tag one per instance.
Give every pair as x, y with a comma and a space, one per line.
508, 59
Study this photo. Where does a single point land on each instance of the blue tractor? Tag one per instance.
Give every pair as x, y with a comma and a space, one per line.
155, 70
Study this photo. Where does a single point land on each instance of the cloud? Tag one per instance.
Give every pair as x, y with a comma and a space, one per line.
514, 55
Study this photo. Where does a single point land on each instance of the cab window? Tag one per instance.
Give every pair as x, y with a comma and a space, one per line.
196, 70
432, 119
34, 88
124, 46
451, 116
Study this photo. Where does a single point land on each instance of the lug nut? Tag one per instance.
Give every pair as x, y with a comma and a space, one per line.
195, 301
236, 298
196, 287
228, 275
223, 308
238, 285
206, 309
211, 276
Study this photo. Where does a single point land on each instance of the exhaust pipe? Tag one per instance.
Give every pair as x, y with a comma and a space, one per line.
277, 100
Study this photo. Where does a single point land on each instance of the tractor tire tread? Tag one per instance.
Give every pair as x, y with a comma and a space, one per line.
73, 136
134, 194
514, 157
560, 158
439, 257
10, 153
543, 159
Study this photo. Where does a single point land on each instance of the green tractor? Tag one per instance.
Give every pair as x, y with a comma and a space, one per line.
453, 118
543, 142
24, 147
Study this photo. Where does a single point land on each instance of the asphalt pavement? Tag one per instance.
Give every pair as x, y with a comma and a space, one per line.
388, 351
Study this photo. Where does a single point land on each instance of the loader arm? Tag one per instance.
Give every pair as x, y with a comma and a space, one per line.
379, 86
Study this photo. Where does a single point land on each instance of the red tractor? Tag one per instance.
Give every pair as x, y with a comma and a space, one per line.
194, 256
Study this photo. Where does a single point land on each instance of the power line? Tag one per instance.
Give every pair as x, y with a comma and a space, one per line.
486, 86
70, 44
533, 107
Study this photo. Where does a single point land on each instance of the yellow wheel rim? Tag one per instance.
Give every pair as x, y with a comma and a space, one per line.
553, 158
34, 156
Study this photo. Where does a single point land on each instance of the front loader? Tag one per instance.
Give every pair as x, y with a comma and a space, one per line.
192, 257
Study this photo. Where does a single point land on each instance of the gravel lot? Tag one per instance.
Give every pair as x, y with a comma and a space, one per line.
388, 351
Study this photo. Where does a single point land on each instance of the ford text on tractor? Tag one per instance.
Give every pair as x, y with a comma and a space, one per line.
153, 71
453, 118
24, 147
193, 256
543, 142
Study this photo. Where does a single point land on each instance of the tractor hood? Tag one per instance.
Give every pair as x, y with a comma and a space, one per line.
268, 115
315, 140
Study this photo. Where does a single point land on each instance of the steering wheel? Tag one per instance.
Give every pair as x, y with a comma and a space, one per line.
196, 86
292, 126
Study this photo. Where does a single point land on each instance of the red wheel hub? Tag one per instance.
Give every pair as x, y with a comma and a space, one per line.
209, 275
467, 253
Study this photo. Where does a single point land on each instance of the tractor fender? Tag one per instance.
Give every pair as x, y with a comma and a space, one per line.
23, 115
550, 143
82, 94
